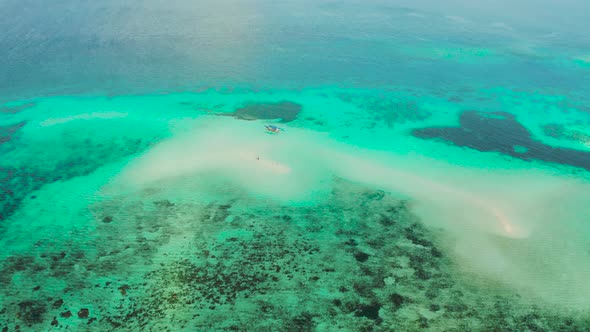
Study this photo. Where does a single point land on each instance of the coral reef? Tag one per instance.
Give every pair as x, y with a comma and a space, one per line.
15, 109
480, 131
359, 261
389, 111
286, 111
6, 132
561, 131
82, 158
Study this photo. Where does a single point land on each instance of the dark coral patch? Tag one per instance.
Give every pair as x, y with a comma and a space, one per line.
83, 313
15, 264
58, 303
31, 312
389, 110
285, 110
562, 132
361, 256
302, 322
501, 132
370, 311
6, 132
15, 109
397, 300
83, 158
123, 289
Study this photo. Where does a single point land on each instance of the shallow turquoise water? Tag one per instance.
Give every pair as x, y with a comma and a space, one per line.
433, 172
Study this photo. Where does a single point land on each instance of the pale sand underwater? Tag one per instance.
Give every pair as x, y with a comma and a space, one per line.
156, 210
496, 220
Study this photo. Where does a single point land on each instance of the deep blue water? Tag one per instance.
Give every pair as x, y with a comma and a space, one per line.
131, 46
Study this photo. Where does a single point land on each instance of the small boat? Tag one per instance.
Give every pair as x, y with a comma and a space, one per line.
273, 129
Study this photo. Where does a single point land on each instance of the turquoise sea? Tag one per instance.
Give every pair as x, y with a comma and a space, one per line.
432, 172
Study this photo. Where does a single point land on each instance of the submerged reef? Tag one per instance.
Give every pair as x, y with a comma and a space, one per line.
501, 132
564, 132
15, 109
6, 132
82, 158
389, 111
286, 111
360, 261
15, 184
